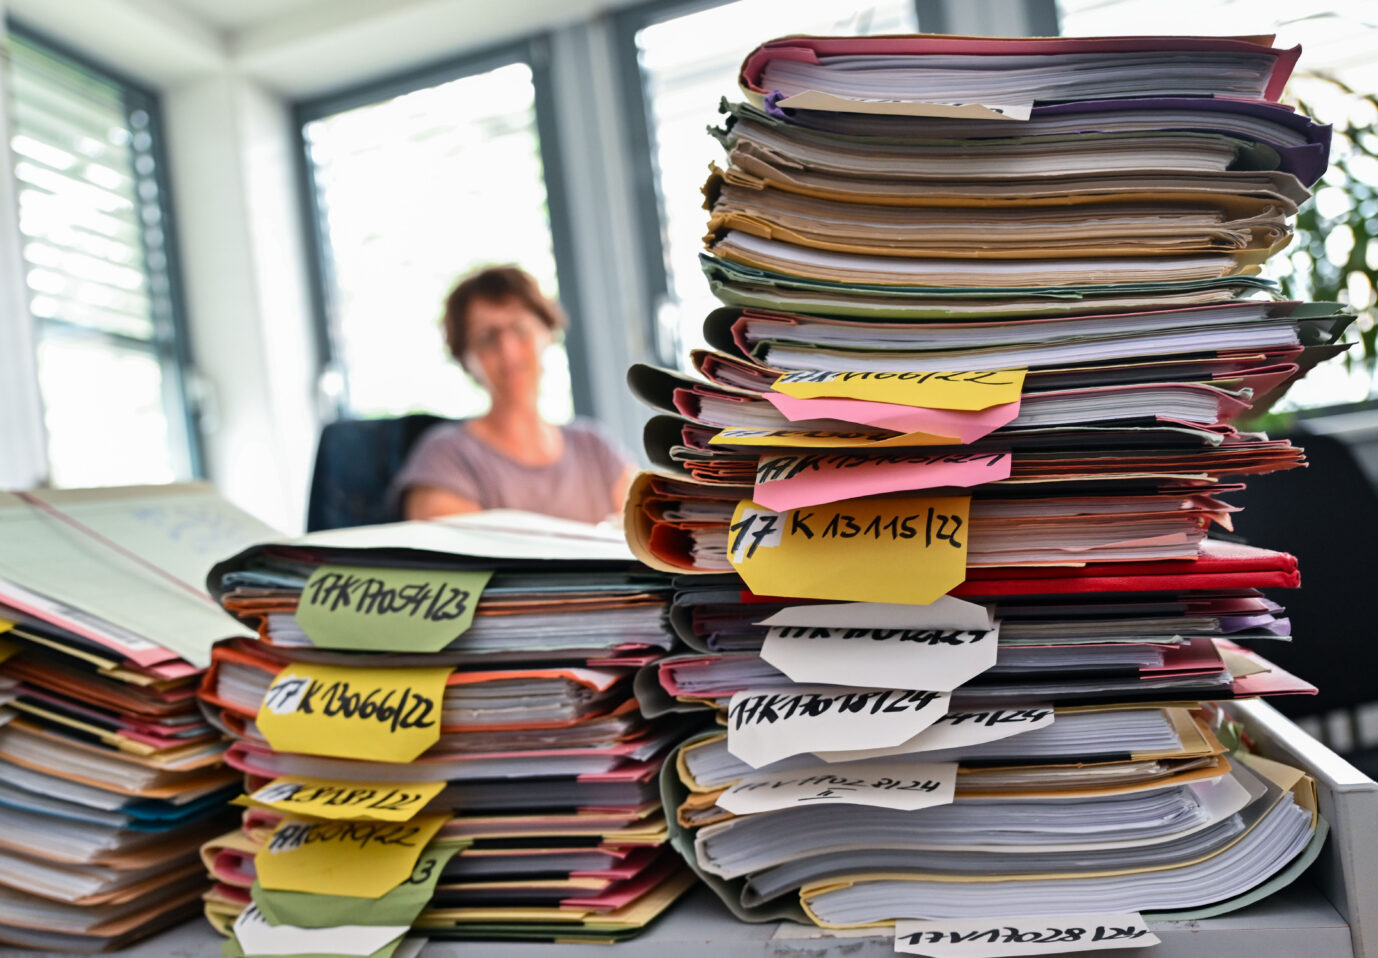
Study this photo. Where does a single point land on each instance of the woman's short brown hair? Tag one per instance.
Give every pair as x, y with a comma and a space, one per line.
495, 284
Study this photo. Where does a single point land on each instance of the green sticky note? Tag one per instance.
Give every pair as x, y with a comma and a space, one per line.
388, 610
398, 907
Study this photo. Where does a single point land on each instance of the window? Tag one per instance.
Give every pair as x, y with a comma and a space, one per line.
1338, 40
410, 192
97, 248
687, 63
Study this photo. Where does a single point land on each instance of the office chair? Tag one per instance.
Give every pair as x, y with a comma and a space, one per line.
1327, 516
355, 461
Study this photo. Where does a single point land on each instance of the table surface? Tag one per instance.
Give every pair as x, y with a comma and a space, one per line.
1297, 921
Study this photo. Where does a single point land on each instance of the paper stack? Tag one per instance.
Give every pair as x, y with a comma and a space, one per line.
939, 504
110, 778
437, 731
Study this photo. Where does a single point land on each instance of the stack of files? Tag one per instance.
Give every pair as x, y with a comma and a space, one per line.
947, 502
1113, 194
1148, 641
1132, 810
443, 712
110, 777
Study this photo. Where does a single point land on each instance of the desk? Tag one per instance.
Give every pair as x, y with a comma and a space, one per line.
1297, 922
1332, 912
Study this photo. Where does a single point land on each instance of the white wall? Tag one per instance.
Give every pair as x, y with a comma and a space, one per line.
23, 456
230, 153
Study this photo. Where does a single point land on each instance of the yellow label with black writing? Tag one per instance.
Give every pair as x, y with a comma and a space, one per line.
382, 715
362, 859
327, 798
809, 439
388, 610
931, 390
909, 549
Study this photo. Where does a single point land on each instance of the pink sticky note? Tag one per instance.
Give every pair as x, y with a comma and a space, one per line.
961, 425
811, 479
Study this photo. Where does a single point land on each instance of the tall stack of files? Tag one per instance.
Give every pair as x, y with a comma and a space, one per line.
938, 502
437, 731
110, 778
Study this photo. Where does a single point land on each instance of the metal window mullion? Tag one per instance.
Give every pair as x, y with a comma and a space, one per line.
23, 434
72, 73
334, 400
166, 305
576, 340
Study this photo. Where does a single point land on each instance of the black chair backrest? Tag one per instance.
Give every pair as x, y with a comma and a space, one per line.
1327, 516
356, 460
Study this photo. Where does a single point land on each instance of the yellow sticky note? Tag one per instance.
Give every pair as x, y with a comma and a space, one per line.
388, 610
362, 859
329, 798
382, 715
909, 549
933, 390
807, 439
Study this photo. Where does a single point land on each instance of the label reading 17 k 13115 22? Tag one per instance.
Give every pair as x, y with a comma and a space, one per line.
909, 549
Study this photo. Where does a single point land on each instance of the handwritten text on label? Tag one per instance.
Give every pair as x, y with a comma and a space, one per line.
395, 610
812, 439
766, 726
350, 800
365, 859
935, 390
995, 938
909, 549
806, 479
902, 785
934, 659
385, 715
959, 426
945, 612
959, 729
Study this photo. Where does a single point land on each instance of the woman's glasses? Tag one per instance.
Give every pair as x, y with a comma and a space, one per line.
524, 328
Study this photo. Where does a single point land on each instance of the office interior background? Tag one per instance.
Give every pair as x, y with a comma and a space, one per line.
223, 225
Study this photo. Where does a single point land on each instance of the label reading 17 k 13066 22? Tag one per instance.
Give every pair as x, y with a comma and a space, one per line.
377, 714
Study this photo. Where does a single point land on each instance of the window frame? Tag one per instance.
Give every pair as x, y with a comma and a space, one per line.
932, 16
170, 345
640, 133
534, 51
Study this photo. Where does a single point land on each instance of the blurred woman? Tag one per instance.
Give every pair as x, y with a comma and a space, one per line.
498, 325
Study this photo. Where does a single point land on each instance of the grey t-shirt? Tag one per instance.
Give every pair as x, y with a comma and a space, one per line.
578, 485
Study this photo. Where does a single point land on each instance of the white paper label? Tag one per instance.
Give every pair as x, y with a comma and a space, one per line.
959, 730
918, 658
764, 726
257, 937
1039, 935
903, 785
945, 612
